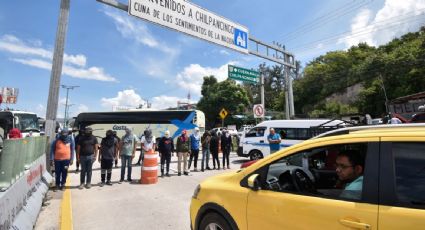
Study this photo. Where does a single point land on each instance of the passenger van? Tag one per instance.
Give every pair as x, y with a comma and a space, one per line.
254, 144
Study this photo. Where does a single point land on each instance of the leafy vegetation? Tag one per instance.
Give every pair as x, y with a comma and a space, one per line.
218, 95
395, 69
382, 74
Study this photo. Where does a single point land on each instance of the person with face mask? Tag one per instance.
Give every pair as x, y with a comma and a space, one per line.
127, 153
214, 143
87, 150
76, 139
118, 146
183, 151
226, 144
195, 142
108, 152
165, 147
62, 153
205, 140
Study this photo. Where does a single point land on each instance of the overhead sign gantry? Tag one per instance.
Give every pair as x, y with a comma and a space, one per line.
193, 20
188, 18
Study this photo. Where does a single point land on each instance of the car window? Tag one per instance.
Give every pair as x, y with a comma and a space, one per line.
256, 132
334, 172
409, 161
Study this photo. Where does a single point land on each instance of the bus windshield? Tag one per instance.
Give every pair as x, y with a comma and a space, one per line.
26, 122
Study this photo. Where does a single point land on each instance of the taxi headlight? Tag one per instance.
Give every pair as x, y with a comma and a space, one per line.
196, 192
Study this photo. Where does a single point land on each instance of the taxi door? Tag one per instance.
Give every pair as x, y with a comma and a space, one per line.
277, 209
402, 193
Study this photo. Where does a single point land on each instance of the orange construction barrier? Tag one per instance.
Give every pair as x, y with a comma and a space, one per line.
150, 168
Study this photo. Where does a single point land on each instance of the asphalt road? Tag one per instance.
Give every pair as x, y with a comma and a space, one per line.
164, 205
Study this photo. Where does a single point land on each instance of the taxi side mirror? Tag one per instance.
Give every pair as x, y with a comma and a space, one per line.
253, 182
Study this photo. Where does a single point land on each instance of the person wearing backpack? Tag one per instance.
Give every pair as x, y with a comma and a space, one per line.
108, 153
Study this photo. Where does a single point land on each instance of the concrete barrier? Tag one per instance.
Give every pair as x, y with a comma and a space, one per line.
20, 204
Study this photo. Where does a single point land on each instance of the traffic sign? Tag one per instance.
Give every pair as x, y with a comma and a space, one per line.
223, 113
241, 74
188, 18
259, 111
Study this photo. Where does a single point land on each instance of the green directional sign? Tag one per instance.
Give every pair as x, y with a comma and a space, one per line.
241, 74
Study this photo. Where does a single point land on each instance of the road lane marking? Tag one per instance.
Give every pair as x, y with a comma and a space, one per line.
66, 209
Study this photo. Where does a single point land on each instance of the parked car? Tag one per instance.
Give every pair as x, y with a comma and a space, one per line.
219, 130
244, 129
305, 186
377, 121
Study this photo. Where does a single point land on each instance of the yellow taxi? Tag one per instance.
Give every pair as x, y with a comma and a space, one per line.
354, 178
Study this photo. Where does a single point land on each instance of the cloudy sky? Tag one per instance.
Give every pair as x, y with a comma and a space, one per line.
119, 60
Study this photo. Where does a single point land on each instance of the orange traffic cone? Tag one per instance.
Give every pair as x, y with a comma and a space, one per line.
150, 168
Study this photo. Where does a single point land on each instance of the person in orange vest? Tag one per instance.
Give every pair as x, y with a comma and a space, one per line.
62, 153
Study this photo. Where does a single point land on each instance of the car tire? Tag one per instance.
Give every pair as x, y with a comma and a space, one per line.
255, 155
214, 221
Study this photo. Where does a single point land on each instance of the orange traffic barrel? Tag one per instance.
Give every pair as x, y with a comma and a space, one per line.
150, 168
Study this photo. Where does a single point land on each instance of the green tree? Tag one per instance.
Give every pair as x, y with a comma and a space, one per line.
218, 95
398, 67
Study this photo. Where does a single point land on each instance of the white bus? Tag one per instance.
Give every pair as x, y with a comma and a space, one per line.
26, 122
138, 120
254, 143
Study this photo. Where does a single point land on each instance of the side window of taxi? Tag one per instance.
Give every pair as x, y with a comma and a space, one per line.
334, 172
409, 161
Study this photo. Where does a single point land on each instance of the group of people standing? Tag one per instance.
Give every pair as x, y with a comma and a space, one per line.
87, 150
188, 148
211, 143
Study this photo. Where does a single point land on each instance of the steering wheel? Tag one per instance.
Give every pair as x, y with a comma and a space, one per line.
302, 181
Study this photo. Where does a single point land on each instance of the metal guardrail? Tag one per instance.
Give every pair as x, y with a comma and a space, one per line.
17, 155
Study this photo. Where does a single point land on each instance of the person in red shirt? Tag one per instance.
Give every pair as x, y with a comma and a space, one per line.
15, 133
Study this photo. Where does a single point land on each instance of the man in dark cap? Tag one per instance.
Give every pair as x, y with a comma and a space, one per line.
87, 150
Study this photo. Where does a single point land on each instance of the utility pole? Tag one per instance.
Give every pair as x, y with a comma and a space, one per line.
66, 102
52, 101
287, 101
263, 103
291, 99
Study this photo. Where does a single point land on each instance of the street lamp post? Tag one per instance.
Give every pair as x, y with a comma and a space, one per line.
66, 102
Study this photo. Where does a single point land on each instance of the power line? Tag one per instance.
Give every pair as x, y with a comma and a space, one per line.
328, 17
360, 32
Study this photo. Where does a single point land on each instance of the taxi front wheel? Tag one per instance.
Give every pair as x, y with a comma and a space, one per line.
213, 221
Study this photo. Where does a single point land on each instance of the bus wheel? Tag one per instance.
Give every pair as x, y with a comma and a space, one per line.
255, 155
